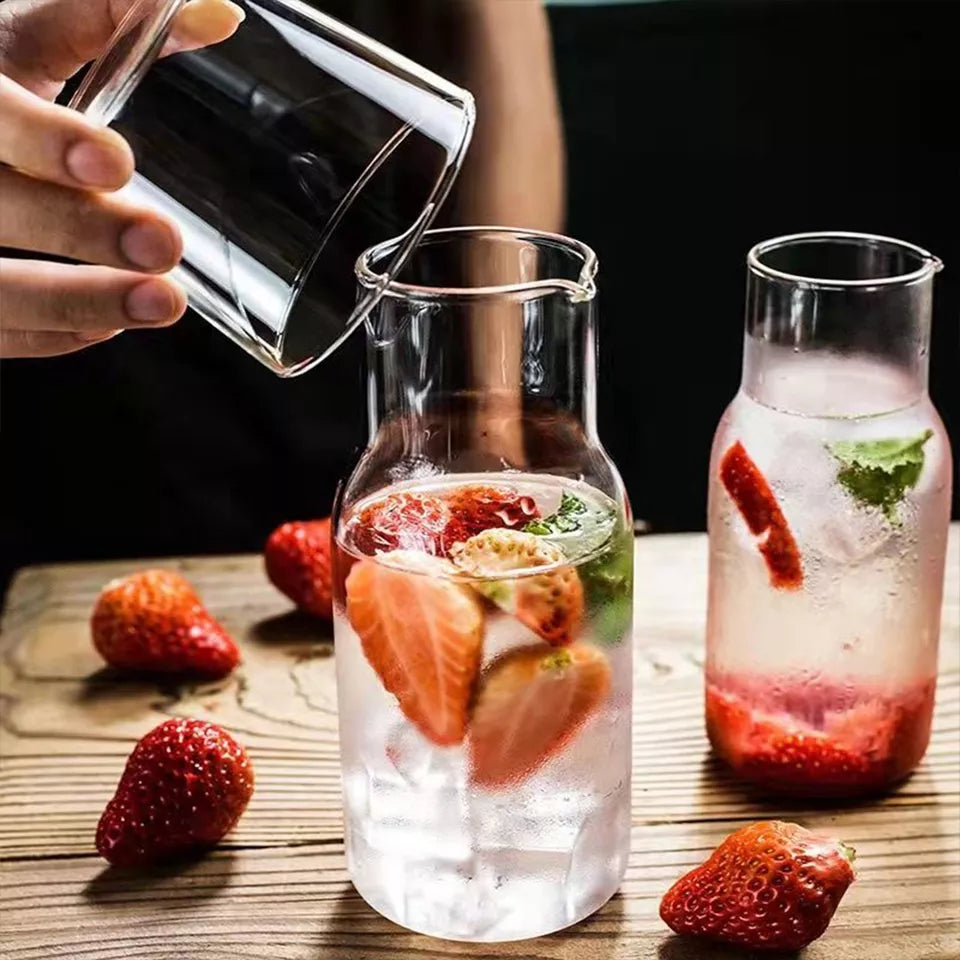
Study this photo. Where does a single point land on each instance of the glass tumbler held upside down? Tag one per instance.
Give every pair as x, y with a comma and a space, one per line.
830, 485
484, 598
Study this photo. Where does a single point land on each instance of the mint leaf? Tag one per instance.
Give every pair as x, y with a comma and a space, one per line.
566, 518
608, 584
878, 473
578, 527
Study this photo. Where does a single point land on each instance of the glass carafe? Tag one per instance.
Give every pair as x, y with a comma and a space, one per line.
484, 601
830, 484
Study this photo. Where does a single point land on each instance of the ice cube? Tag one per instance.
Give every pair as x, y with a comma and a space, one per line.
421, 764
846, 531
824, 518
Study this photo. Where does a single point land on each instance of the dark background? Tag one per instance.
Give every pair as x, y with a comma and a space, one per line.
693, 130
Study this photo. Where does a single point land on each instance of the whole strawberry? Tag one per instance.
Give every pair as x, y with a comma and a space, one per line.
184, 786
154, 621
297, 557
769, 886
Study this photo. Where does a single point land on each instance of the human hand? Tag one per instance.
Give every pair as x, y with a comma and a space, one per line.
57, 174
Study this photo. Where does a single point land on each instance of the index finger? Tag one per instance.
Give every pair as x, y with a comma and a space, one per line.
58, 144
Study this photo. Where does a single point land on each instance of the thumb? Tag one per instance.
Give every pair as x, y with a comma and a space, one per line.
44, 42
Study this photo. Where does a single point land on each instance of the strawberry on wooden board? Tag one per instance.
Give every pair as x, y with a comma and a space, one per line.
530, 703
184, 787
768, 886
297, 560
550, 604
422, 634
154, 621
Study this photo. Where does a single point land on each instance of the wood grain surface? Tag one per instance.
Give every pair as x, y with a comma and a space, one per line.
277, 888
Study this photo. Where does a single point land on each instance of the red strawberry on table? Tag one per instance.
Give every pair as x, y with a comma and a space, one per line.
422, 634
769, 886
297, 559
530, 703
184, 787
154, 621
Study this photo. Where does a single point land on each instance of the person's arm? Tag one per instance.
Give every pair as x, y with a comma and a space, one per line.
514, 174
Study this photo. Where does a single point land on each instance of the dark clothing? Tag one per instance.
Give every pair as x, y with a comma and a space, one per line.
694, 129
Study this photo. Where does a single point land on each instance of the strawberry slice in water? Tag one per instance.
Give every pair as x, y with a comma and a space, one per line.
402, 521
749, 490
477, 508
550, 603
422, 634
530, 703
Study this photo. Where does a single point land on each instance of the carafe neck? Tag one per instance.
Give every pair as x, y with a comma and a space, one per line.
837, 324
475, 383
483, 354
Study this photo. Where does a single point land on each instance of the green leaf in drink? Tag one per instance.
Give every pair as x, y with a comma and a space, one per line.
878, 473
567, 518
581, 528
608, 584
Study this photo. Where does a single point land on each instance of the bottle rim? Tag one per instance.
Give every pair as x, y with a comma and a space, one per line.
580, 290
929, 264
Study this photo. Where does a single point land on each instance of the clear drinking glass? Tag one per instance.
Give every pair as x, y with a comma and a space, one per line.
484, 566
282, 154
830, 485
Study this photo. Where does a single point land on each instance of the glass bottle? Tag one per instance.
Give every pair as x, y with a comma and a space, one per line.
483, 610
829, 506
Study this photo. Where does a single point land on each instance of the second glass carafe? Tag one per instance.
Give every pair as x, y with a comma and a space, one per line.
829, 509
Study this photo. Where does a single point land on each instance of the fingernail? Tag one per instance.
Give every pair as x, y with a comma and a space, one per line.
149, 245
92, 336
97, 164
151, 302
236, 10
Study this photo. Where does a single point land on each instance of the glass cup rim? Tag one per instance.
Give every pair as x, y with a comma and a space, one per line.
580, 290
930, 265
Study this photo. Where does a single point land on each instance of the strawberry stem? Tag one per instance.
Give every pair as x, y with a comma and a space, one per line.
847, 852
556, 660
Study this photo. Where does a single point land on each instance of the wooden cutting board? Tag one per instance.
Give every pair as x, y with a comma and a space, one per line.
278, 887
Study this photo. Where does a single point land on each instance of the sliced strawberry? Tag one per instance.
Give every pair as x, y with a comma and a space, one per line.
530, 703
402, 521
478, 508
550, 604
860, 749
422, 634
758, 506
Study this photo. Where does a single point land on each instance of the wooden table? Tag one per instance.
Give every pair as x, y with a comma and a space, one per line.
278, 888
